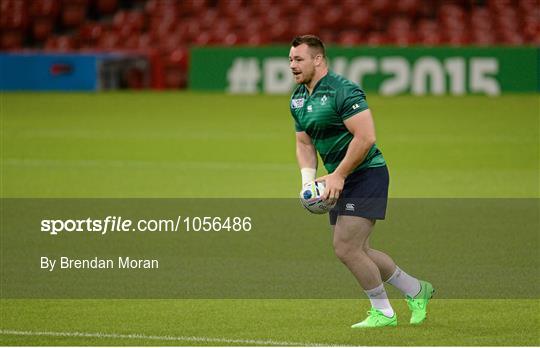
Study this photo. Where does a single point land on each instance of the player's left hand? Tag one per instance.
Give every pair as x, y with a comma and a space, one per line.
334, 185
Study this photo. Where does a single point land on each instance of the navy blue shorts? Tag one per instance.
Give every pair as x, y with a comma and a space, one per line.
364, 194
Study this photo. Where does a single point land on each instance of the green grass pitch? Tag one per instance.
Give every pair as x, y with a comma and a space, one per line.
214, 145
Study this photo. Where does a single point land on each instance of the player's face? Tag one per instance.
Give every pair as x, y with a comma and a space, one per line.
302, 63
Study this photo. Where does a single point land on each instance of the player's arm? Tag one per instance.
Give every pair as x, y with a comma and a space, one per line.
362, 128
306, 156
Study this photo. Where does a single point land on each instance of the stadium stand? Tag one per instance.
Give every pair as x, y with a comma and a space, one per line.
165, 29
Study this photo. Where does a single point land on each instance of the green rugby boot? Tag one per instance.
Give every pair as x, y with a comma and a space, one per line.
418, 304
376, 319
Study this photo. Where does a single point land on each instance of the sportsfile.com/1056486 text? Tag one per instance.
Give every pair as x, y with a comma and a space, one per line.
120, 224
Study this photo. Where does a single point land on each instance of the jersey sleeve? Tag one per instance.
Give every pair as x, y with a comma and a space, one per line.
350, 100
297, 125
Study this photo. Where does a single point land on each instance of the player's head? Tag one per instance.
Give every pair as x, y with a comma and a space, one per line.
306, 57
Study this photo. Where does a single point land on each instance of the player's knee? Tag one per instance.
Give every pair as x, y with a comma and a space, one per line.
344, 251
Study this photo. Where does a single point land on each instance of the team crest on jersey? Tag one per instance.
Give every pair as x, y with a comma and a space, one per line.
324, 99
297, 103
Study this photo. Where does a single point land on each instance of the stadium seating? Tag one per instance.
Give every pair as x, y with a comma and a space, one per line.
165, 28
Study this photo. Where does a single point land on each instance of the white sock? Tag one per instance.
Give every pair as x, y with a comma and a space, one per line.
379, 300
405, 283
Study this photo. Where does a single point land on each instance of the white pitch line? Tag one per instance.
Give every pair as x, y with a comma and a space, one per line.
157, 338
138, 164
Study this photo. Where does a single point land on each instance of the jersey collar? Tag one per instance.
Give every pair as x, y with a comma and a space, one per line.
317, 85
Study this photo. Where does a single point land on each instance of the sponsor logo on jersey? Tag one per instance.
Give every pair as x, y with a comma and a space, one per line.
309, 108
297, 103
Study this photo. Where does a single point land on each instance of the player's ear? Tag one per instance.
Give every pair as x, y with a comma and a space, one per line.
318, 59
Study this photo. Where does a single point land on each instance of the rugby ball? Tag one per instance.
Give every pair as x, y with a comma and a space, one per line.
311, 198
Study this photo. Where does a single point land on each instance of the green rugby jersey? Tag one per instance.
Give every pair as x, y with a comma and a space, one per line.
321, 115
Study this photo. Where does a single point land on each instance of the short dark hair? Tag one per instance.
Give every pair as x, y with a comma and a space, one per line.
312, 41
